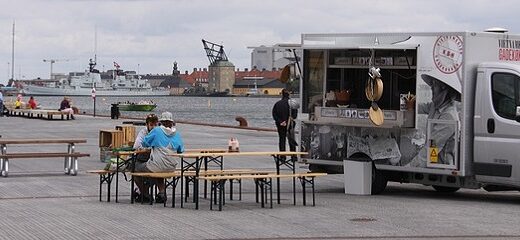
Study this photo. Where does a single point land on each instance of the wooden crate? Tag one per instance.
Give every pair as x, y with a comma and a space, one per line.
128, 133
111, 138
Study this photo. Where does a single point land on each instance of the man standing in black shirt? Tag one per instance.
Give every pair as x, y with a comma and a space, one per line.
284, 116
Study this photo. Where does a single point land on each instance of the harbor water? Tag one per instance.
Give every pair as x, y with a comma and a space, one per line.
218, 110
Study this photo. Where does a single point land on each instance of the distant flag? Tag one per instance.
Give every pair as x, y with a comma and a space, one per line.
116, 65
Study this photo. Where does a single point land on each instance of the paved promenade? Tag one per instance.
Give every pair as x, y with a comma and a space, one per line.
37, 201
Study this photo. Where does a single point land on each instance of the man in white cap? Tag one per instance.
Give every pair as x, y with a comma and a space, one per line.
163, 140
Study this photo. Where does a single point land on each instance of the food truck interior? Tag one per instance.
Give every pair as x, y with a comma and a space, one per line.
340, 81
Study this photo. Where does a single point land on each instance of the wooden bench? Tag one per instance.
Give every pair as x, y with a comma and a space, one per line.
176, 175
264, 182
40, 113
71, 156
105, 176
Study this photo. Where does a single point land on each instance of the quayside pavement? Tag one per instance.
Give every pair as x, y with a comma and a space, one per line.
37, 201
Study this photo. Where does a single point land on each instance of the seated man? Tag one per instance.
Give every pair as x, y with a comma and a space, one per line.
151, 122
163, 140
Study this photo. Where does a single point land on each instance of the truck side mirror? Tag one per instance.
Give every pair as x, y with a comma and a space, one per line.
517, 116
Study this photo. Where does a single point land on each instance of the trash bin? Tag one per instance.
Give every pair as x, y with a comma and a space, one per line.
358, 177
114, 111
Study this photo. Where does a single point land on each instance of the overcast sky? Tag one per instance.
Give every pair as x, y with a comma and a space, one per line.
154, 34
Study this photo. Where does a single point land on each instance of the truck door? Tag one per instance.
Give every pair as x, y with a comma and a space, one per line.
497, 133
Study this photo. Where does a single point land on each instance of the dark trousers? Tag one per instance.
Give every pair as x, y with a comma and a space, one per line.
283, 133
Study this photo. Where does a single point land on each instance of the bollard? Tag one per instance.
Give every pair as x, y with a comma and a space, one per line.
242, 121
75, 110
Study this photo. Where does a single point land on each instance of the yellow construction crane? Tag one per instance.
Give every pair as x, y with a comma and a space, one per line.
52, 61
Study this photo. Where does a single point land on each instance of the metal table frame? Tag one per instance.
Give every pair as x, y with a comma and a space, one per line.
286, 159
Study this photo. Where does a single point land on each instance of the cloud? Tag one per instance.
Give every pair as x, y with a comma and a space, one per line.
153, 34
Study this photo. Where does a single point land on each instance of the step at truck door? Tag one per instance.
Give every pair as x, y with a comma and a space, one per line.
497, 133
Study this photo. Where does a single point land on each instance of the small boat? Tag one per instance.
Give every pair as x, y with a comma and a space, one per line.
142, 106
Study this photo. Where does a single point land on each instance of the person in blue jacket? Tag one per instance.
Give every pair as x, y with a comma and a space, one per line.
163, 141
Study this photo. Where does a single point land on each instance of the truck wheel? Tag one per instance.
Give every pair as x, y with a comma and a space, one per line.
444, 189
379, 181
316, 168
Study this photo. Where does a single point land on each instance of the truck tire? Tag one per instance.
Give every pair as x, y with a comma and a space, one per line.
379, 181
443, 189
316, 168
326, 169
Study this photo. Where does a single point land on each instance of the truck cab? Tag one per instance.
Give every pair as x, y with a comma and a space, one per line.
497, 124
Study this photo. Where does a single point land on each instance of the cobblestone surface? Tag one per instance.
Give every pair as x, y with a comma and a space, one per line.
37, 201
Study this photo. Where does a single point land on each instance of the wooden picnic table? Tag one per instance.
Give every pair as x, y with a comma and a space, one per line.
70, 162
123, 155
280, 158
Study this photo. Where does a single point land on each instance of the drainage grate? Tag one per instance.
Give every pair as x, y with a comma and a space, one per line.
363, 219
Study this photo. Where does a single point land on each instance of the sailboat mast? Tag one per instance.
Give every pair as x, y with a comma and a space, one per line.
12, 56
95, 44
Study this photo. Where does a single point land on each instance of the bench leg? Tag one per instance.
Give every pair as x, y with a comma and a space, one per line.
256, 191
266, 186
221, 193
66, 161
182, 181
173, 184
261, 186
231, 189
108, 189
68, 165
74, 171
215, 193
187, 189
303, 180
205, 181
313, 202
270, 183
100, 186
3, 150
211, 191
5, 168
294, 189
173, 191
105, 178
240, 189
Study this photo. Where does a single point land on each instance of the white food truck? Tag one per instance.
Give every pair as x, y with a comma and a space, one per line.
444, 107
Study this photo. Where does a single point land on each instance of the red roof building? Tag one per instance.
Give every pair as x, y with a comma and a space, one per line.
201, 75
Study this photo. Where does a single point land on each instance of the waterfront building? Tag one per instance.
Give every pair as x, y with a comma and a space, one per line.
273, 57
221, 76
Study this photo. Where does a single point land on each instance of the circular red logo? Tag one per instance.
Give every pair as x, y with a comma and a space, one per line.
447, 53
